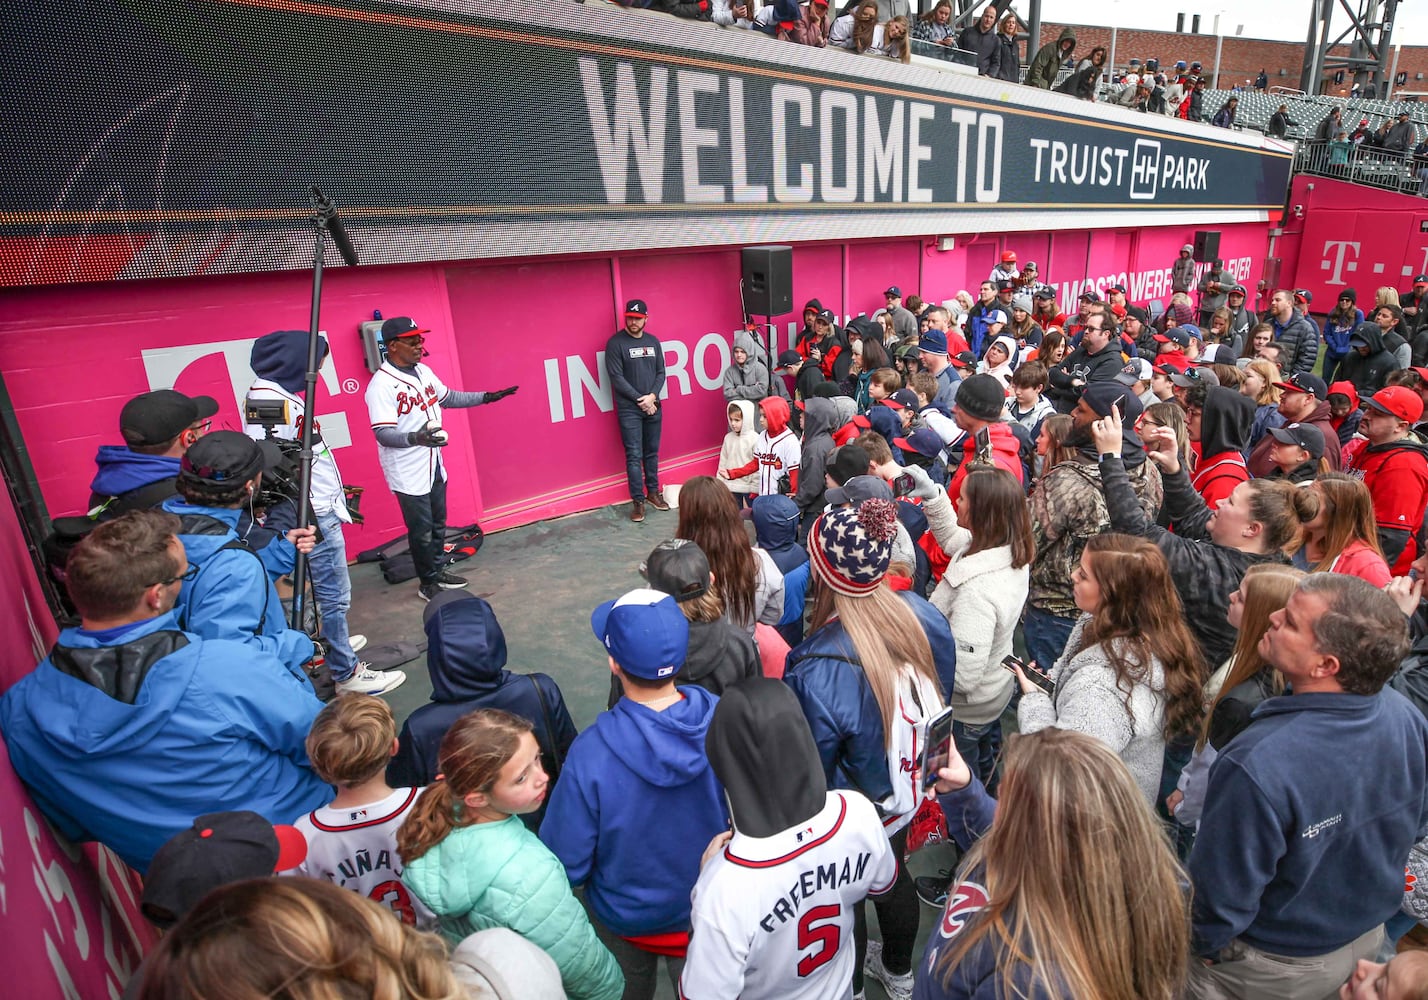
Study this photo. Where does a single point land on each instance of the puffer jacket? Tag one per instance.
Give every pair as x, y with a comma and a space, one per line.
1088, 699
1298, 342
838, 702
1068, 506
501, 875
981, 596
1048, 59
1205, 573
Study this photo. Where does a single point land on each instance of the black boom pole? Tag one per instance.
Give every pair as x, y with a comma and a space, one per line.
324, 222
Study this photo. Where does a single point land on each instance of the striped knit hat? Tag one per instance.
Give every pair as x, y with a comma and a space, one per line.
850, 548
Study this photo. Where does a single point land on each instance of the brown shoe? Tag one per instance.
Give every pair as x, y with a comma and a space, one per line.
656, 500
637, 511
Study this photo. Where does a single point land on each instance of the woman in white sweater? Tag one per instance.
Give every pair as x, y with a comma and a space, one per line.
1132, 673
982, 594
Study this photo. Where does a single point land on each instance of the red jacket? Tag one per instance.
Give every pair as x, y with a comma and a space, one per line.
1006, 453
1217, 476
1397, 477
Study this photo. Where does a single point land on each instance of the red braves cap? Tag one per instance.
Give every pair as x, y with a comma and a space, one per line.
1422, 373
1398, 401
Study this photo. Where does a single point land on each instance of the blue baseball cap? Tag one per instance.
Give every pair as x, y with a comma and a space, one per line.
644, 632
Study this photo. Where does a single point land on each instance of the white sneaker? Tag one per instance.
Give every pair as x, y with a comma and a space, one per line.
368, 681
356, 642
898, 987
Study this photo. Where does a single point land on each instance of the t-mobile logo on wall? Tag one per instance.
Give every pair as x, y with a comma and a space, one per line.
1341, 259
164, 366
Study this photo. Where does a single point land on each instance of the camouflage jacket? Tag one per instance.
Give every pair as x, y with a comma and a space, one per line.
1067, 507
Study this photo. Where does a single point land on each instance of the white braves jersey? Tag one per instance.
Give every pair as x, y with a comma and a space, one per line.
776, 458
357, 849
327, 495
773, 916
407, 402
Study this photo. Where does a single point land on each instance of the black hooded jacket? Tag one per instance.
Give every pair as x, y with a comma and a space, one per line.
281, 357
466, 657
1367, 373
763, 753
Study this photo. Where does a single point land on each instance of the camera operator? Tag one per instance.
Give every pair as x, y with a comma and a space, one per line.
279, 360
230, 594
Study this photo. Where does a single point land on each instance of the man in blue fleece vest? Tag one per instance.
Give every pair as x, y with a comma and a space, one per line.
638, 802
1311, 811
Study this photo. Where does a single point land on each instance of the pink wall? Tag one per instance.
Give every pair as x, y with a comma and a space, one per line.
551, 449
1352, 236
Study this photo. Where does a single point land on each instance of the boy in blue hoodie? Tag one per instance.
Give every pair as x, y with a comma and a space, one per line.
638, 802
776, 530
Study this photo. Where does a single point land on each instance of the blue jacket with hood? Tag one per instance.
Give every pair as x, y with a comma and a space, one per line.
233, 596
633, 811
120, 471
210, 728
776, 528
1300, 860
839, 704
466, 658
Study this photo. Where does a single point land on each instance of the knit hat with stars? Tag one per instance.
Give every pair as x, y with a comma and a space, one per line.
850, 548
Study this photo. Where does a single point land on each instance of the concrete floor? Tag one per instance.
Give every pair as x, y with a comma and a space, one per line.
543, 580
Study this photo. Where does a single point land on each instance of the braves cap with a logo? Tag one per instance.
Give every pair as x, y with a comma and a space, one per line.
1305, 436
636, 307
1304, 382
1398, 401
644, 632
218, 849
401, 326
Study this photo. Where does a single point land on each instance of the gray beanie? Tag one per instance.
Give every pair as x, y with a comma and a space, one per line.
1022, 302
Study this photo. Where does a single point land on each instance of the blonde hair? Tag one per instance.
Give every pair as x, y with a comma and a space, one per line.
1268, 587
351, 739
886, 636
1269, 371
296, 939
472, 753
1172, 415
1386, 295
1082, 884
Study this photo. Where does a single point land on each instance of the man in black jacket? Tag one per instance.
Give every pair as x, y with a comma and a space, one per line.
634, 361
982, 39
1098, 359
1279, 122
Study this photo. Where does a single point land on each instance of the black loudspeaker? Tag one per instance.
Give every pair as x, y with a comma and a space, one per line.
768, 280
1207, 247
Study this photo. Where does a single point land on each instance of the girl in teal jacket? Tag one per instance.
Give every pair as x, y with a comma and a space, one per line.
471, 860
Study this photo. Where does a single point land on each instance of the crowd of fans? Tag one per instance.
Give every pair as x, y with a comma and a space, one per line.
1208, 776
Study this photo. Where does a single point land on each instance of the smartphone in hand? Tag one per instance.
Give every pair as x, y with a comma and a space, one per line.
1032, 674
936, 746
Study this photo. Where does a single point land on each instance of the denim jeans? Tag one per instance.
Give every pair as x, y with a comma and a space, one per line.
1046, 636
425, 518
332, 587
639, 433
980, 746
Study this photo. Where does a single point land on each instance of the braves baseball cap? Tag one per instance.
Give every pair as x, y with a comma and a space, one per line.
679, 568
903, 399
1303, 295
217, 849
1043, 293
1194, 376
1398, 401
996, 316
1304, 382
401, 326
1216, 354
1306, 436
1175, 335
858, 489
1117, 288
158, 417
225, 458
1422, 279
924, 441
644, 632
893, 292
1008, 256
1235, 290
636, 307
1422, 373
826, 316
1136, 370
1006, 285
1089, 295
964, 360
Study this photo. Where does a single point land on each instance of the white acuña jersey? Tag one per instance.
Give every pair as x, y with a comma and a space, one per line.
357, 850
773, 916
407, 401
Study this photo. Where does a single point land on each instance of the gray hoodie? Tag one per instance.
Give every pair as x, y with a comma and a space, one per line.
751, 379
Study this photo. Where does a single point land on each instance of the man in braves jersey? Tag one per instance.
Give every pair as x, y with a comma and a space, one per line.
279, 360
775, 902
404, 401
